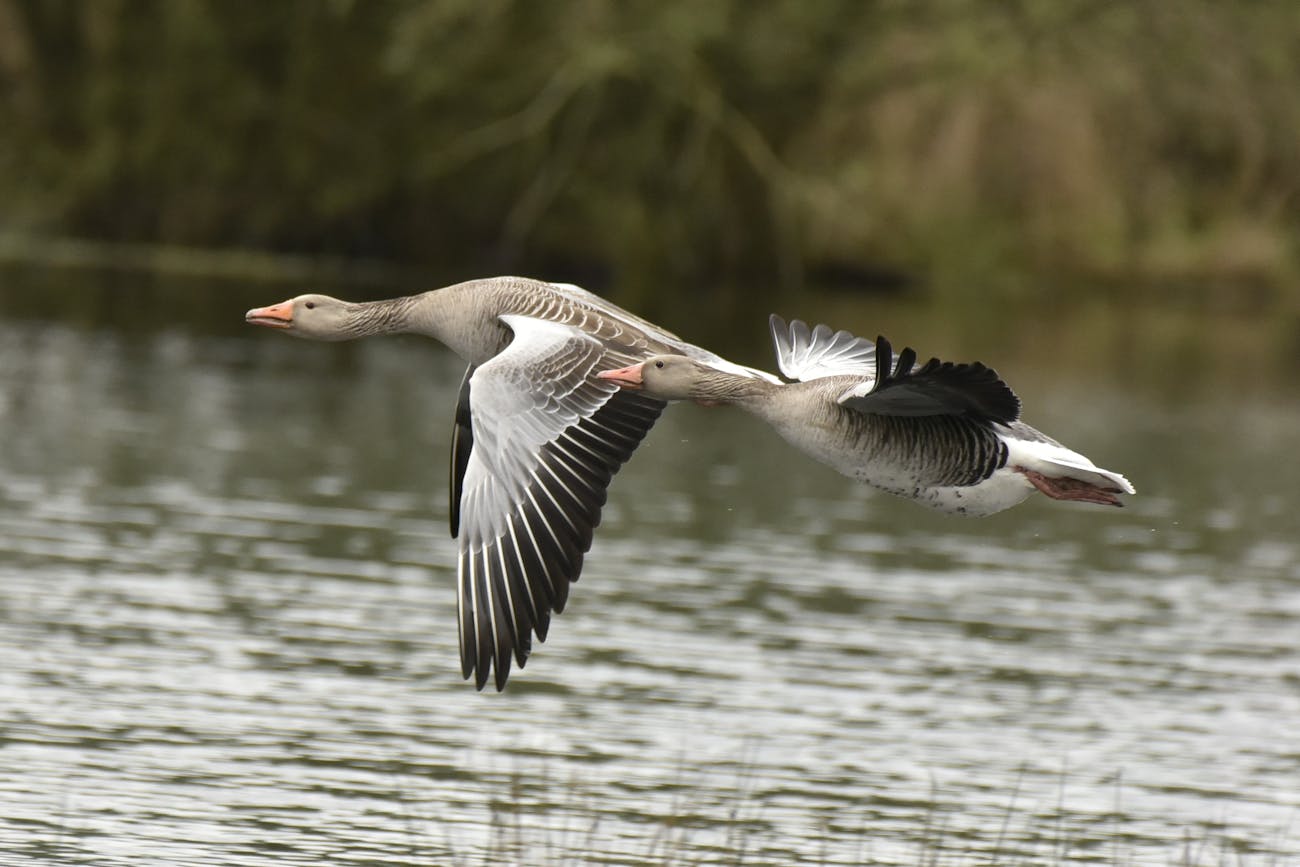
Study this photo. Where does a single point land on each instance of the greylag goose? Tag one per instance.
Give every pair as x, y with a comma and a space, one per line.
945, 435
536, 440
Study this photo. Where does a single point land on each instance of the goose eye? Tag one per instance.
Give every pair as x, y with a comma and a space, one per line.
310, 305
659, 364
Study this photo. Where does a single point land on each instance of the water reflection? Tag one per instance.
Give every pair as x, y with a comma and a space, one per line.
227, 602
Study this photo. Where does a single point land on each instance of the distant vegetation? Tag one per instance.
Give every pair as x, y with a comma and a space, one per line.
1021, 147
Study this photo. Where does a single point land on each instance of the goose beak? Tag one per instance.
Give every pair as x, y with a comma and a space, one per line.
625, 377
276, 316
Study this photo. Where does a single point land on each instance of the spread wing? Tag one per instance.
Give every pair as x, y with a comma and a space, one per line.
936, 388
546, 440
803, 354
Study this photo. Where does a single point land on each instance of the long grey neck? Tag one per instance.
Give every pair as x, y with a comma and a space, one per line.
392, 316
720, 387
463, 317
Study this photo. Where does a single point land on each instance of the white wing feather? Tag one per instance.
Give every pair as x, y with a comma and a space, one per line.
547, 439
804, 354
516, 413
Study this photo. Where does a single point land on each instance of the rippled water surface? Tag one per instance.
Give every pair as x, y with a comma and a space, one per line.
227, 618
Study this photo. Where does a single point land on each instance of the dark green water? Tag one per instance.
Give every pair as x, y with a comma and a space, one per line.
227, 618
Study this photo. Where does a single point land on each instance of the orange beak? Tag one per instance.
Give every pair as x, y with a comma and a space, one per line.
276, 316
624, 377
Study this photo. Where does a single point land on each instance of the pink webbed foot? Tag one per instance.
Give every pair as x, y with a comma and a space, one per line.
1071, 489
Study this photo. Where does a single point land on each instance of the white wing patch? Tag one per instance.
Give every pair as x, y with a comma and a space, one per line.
804, 354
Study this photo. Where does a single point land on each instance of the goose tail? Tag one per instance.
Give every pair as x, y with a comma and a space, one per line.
1064, 474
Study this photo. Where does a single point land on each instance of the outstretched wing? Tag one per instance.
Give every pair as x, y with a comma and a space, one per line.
547, 437
936, 388
803, 354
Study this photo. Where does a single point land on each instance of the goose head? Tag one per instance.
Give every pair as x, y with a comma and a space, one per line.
315, 317
671, 377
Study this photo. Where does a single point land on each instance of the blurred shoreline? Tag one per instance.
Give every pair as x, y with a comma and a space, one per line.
1027, 150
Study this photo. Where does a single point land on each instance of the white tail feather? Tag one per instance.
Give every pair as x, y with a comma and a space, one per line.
1057, 461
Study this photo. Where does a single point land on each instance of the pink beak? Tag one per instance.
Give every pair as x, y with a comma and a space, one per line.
624, 377
276, 316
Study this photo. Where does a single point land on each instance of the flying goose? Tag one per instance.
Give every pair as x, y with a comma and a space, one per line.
945, 435
537, 434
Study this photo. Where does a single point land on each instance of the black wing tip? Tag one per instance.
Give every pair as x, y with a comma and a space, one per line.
989, 394
1003, 403
884, 356
986, 394
975, 389
906, 361
490, 670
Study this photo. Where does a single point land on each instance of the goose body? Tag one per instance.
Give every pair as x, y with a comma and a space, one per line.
537, 435
945, 435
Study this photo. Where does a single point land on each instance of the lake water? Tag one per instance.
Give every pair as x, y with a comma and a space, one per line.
227, 619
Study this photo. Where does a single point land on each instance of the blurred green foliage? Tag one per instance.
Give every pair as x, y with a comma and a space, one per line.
1024, 147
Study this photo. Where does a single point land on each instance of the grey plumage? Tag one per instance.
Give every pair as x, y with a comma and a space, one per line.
945, 435
537, 437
